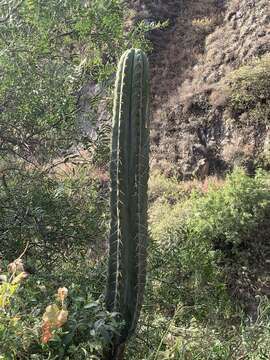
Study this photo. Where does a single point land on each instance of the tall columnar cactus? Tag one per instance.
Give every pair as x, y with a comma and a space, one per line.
129, 177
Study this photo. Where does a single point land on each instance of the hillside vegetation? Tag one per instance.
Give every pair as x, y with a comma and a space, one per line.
207, 283
200, 61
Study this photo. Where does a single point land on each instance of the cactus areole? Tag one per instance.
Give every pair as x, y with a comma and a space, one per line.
129, 178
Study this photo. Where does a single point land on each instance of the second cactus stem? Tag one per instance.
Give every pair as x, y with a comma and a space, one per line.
129, 178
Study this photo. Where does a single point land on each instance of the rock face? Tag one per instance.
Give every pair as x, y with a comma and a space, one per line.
193, 132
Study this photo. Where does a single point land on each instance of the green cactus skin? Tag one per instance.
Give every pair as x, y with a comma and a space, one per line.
129, 178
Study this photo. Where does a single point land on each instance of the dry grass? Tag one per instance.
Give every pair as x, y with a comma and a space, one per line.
160, 187
72, 167
176, 51
236, 151
180, 48
242, 35
203, 186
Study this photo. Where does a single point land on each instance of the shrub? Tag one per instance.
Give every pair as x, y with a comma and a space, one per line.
163, 189
74, 326
205, 24
250, 340
249, 90
196, 242
233, 213
206, 251
53, 213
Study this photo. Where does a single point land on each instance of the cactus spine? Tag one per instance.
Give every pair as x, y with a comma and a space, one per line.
129, 177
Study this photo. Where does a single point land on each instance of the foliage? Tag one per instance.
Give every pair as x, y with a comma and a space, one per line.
205, 24
75, 326
49, 50
52, 213
50, 198
249, 340
249, 90
205, 272
202, 243
51, 53
10, 326
164, 190
192, 238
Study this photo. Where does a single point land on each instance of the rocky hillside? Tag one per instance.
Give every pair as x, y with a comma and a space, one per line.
210, 85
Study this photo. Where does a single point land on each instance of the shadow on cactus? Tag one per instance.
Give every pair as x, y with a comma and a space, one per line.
129, 178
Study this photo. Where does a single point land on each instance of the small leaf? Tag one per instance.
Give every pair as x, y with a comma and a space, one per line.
51, 314
90, 306
20, 277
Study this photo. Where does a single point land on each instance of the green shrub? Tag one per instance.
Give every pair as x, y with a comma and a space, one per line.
201, 243
234, 213
249, 90
203, 249
196, 242
53, 213
249, 340
60, 49
81, 334
163, 189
